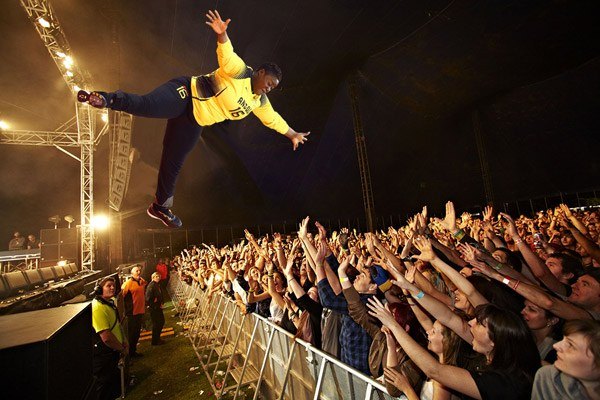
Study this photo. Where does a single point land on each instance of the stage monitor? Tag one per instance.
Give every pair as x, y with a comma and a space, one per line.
34, 277
16, 281
47, 354
47, 274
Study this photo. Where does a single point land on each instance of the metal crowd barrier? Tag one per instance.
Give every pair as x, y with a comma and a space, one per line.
244, 354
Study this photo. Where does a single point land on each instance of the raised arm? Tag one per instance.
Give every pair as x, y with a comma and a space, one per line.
453, 377
538, 296
218, 25
437, 309
462, 283
537, 266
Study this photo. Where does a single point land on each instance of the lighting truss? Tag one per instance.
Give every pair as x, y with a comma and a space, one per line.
56, 42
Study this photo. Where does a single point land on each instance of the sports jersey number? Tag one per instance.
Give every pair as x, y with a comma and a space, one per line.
182, 92
237, 112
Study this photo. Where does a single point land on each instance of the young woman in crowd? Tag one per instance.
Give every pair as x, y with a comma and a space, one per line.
575, 374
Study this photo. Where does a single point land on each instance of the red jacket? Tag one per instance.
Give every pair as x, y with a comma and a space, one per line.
163, 271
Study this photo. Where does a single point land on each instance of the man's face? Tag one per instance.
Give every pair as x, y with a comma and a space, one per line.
108, 290
263, 83
135, 272
586, 292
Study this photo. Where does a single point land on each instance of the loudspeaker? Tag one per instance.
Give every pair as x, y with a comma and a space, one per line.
68, 235
49, 236
47, 354
59, 244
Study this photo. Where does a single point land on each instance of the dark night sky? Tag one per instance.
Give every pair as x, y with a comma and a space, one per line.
530, 69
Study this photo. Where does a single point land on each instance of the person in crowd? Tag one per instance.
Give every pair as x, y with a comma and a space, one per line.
110, 344
575, 375
502, 336
154, 302
17, 242
133, 290
163, 270
309, 322
32, 242
231, 92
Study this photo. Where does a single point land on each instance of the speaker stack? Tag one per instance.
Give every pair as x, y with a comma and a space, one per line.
59, 245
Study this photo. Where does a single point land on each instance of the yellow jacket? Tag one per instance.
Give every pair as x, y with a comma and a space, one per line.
227, 94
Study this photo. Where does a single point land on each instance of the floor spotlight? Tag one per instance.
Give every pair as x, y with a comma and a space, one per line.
55, 219
69, 219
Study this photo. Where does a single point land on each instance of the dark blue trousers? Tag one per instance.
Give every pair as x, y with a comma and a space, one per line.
171, 101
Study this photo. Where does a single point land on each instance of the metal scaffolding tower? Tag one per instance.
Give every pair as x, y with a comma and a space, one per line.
44, 20
361, 150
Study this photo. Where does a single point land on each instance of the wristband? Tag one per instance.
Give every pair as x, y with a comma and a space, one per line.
419, 295
519, 240
385, 286
459, 235
516, 285
344, 279
506, 281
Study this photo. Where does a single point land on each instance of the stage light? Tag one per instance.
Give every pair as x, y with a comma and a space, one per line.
69, 74
68, 62
4, 125
69, 219
100, 222
43, 22
60, 54
104, 117
62, 263
55, 219
76, 88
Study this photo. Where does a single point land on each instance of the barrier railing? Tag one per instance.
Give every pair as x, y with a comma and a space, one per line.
240, 353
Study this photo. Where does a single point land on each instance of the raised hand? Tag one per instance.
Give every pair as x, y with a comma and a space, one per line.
303, 228
424, 246
395, 378
287, 271
322, 231
449, 221
566, 210
411, 270
511, 227
381, 312
468, 252
322, 250
216, 23
488, 213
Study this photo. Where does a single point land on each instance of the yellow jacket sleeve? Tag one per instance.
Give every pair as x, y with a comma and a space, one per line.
230, 63
269, 117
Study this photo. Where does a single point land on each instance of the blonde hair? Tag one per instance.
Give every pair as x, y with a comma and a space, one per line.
155, 275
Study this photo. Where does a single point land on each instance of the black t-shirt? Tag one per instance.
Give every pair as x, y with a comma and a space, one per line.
499, 385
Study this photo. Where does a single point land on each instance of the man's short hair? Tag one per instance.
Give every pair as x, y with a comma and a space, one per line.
271, 69
594, 273
107, 279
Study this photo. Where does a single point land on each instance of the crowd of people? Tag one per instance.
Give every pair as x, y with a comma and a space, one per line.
482, 307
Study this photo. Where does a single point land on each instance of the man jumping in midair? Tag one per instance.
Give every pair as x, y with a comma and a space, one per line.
231, 92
